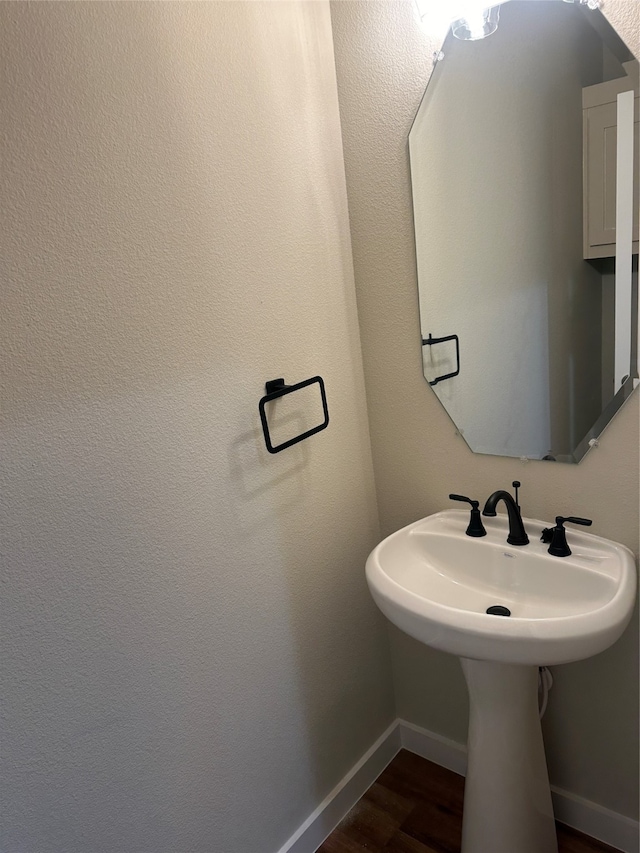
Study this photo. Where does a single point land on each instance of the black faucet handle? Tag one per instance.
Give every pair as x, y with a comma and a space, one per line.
474, 504
557, 536
476, 527
586, 522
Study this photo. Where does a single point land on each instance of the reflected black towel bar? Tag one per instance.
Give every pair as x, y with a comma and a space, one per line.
430, 341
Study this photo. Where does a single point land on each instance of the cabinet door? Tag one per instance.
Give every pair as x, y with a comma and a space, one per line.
600, 140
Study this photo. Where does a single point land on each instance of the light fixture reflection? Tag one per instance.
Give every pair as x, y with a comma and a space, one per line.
468, 19
477, 24
591, 4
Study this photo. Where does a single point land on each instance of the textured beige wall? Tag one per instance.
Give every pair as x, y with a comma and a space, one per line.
591, 727
191, 659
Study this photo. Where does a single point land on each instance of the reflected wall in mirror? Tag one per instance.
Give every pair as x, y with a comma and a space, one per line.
518, 257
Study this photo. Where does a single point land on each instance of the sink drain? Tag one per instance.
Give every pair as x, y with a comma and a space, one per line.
498, 610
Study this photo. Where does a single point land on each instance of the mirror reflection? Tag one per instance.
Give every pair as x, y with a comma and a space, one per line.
527, 252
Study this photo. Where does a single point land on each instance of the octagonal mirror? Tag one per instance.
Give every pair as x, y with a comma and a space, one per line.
522, 169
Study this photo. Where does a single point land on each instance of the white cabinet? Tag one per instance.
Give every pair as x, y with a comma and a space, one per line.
599, 162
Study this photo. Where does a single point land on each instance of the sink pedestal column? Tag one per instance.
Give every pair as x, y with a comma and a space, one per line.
507, 800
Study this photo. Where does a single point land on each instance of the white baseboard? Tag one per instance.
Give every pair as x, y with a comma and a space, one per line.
594, 820
441, 750
346, 794
605, 825
615, 829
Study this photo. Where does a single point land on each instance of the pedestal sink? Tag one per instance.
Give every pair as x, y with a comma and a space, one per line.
436, 584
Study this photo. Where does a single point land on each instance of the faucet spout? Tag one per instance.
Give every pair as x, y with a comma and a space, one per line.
517, 533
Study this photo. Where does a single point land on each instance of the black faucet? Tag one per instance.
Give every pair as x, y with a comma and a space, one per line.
517, 533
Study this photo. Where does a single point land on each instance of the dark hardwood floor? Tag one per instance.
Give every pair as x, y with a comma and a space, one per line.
415, 806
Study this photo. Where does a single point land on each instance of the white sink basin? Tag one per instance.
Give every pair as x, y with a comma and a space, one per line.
436, 583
